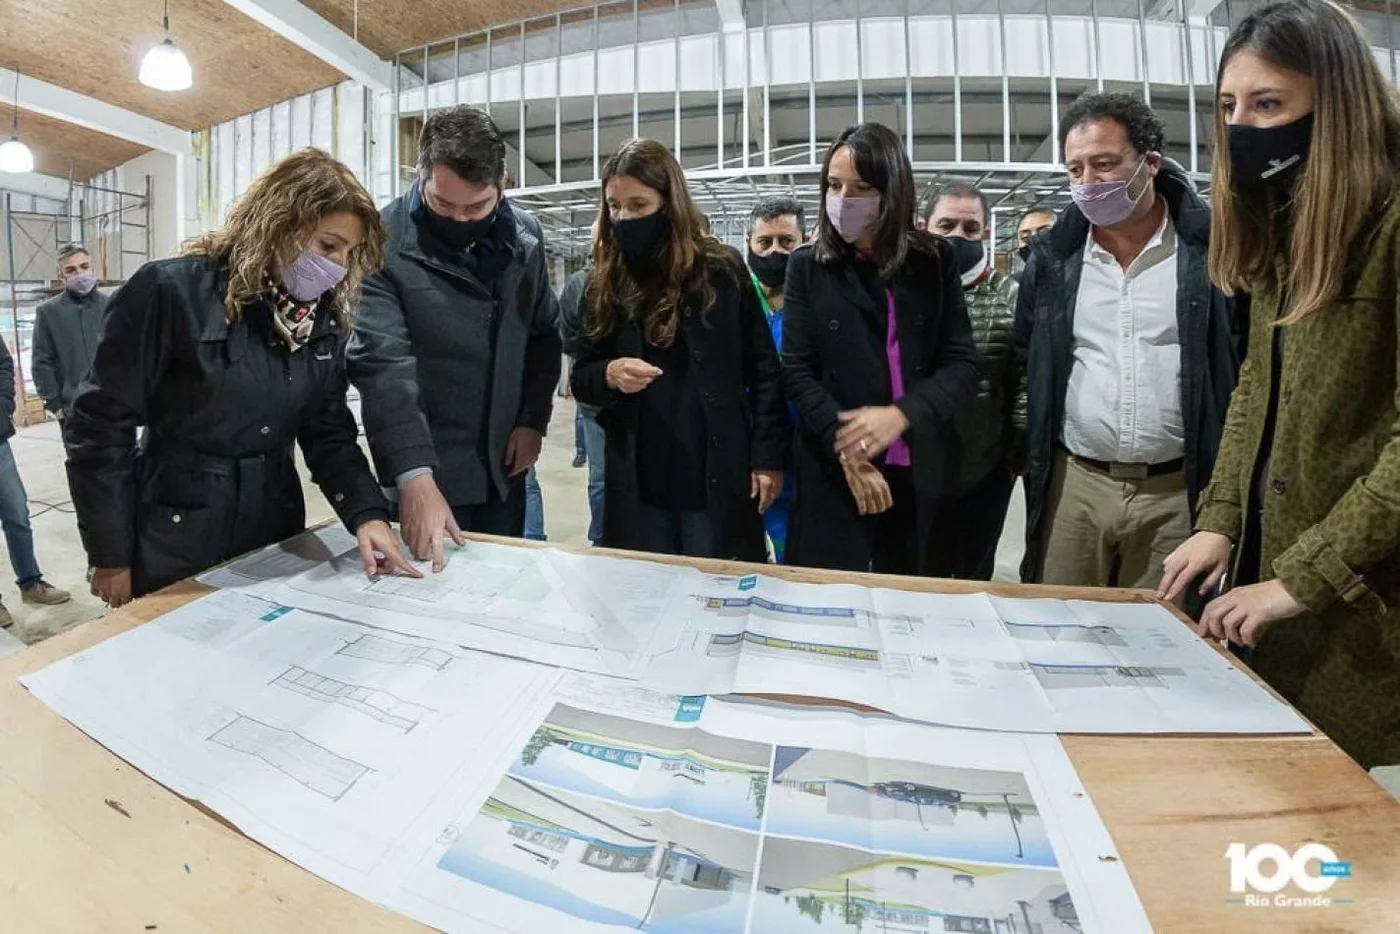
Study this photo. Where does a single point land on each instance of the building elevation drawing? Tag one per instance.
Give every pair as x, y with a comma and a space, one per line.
389, 652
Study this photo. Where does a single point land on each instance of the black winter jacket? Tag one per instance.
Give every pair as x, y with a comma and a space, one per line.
447, 365
223, 405
736, 365
834, 359
1209, 327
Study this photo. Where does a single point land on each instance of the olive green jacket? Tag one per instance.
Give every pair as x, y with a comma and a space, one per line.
991, 429
1331, 503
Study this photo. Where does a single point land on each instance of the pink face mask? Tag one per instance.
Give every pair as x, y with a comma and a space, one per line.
852, 217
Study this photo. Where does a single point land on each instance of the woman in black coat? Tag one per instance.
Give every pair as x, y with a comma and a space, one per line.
878, 356
677, 356
228, 356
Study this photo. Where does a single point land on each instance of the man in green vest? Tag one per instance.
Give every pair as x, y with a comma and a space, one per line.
775, 230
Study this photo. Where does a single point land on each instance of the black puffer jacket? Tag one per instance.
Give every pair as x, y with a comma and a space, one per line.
223, 405
1210, 330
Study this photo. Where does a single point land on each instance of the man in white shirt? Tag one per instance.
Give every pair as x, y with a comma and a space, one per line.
1131, 356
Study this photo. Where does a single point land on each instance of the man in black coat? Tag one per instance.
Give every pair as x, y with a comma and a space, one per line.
67, 329
456, 351
14, 507
1130, 354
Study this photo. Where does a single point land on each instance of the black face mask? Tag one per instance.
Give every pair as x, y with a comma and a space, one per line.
639, 236
1269, 157
771, 270
968, 253
1024, 252
459, 235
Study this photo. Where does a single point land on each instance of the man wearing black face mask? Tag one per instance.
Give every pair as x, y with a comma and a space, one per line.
1030, 224
456, 350
776, 228
991, 429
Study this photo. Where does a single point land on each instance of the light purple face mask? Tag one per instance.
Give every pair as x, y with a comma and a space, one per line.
1108, 203
852, 216
310, 276
81, 283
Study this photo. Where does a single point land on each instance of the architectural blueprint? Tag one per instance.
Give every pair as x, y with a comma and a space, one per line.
477, 793
973, 661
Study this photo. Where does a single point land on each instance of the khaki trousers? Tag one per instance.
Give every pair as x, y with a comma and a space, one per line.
1099, 524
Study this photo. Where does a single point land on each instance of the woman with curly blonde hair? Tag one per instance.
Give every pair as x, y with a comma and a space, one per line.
228, 355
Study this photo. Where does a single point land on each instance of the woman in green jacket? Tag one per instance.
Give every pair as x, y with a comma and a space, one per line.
1305, 218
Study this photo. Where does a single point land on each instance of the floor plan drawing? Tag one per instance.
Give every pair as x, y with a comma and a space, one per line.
307, 763
389, 652
372, 702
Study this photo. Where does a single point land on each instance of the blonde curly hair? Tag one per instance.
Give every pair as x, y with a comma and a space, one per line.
268, 225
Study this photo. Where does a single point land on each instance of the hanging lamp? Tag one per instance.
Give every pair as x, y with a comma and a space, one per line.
165, 67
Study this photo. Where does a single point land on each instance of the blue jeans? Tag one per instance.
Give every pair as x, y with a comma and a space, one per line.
534, 508
594, 440
14, 517
580, 440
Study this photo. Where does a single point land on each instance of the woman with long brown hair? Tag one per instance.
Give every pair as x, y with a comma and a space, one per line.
1306, 489
228, 356
878, 357
677, 356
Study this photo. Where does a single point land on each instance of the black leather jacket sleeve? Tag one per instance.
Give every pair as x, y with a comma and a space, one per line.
329, 439
101, 434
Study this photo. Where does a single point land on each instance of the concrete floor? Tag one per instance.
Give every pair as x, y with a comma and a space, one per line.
39, 454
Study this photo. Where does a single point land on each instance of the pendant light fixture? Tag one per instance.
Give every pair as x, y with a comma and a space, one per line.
165, 67
14, 155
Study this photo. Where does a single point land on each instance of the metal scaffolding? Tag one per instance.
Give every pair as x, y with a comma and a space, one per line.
114, 225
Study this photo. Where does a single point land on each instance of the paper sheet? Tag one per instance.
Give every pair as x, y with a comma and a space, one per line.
970, 661
478, 793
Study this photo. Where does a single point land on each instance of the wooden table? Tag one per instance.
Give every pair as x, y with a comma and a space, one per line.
89, 844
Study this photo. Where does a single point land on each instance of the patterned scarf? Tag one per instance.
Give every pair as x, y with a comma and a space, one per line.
291, 319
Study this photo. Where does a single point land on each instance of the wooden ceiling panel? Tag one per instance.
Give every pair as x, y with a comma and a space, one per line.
391, 26
67, 151
96, 49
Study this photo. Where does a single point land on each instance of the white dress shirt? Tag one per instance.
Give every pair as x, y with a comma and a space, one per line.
1124, 398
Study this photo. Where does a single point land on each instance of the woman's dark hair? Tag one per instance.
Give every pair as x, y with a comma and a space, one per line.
683, 259
879, 157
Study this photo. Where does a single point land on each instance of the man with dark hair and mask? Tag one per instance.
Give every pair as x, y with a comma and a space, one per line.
1037, 220
776, 228
991, 429
67, 329
1131, 356
456, 349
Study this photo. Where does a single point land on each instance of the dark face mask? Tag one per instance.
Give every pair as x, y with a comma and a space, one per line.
968, 253
1269, 157
1024, 252
459, 235
640, 236
771, 270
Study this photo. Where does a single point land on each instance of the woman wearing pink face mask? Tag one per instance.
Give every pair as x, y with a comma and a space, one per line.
877, 358
228, 356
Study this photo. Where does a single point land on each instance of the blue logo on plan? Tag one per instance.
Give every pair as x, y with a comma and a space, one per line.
748, 583
689, 709
1341, 869
278, 613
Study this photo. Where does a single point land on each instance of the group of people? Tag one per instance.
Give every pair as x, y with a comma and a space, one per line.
1194, 394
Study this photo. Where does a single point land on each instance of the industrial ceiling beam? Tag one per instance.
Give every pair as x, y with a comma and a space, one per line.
40, 97
33, 183
302, 26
